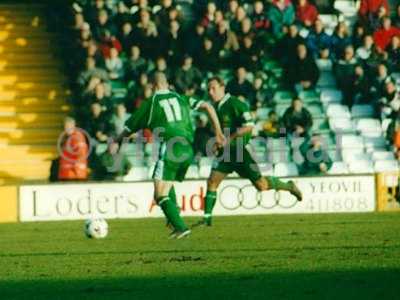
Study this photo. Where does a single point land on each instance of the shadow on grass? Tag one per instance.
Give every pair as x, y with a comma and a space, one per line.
357, 284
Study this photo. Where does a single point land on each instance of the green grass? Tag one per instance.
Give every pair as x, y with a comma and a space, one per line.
347, 256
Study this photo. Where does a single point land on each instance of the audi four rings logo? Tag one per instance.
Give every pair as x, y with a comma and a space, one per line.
233, 197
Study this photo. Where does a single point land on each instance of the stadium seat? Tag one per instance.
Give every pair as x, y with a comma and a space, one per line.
362, 111
310, 96
320, 124
343, 125
354, 154
315, 110
285, 169
338, 167
361, 166
331, 96
374, 143
350, 141
338, 111
382, 155
385, 124
276, 144
283, 97
386, 166
369, 127
326, 80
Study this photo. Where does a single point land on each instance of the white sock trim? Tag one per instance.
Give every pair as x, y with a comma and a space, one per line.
163, 200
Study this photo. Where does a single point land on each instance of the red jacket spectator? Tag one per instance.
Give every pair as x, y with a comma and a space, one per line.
372, 6
74, 153
306, 13
107, 44
383, 36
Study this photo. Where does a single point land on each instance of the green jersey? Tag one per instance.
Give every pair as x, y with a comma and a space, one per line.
167, 111
233, 114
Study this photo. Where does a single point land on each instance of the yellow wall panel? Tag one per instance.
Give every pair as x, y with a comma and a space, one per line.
8, 204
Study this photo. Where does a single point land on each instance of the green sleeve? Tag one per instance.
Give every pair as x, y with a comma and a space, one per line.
243, 113
139, 119
193, 102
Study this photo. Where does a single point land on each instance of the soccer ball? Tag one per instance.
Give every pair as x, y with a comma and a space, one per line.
96, 228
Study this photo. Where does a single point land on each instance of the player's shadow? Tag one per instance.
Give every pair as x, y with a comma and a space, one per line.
178, 282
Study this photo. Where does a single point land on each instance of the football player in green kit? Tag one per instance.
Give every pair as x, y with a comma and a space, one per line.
234, 116
167, 114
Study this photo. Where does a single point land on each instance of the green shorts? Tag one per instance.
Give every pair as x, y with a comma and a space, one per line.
244, 165
173, 162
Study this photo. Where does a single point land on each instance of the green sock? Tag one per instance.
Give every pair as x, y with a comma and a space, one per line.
172, 196
171, 212
211, 198
274, 183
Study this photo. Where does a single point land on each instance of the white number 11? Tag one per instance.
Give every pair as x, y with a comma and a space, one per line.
171, 109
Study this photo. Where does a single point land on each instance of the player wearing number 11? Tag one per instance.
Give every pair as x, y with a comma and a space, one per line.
168, 114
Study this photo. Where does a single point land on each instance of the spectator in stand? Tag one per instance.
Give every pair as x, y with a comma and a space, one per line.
74, 153
281, 14
240, 15
390, 100
318, 41
202, 135
378, 81
97, 125
383, 36
297, 120
126, 37
118, 120
372, 10
144, 92
340, 40
108, 42
91, 71
85, 36
393, 54
146, 34
259, 17
93, 51
316, 158
358, 36
188, 77
171, 41
344, 71
365, 51
194, 41
162, 66
162, 16
260, 95
272, 126
208, 20
302, 71
248, 54
111, 165
208, 59
114, 65
287, 46
361, 87
135, 64
239, 86
306, 13
233, 6
101, 97
103, 25
225, 40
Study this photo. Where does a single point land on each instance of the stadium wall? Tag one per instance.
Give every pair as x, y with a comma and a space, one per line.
8, 204
327, 194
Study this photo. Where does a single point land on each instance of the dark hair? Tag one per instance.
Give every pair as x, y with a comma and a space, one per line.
217, 79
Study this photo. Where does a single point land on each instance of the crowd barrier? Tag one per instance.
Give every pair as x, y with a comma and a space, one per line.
73, 201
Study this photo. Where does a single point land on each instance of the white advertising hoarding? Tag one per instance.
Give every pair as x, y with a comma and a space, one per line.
235, 197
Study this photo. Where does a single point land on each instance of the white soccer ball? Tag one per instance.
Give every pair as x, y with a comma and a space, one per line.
96, 228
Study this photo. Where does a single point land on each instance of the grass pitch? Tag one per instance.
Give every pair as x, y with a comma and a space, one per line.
347, 256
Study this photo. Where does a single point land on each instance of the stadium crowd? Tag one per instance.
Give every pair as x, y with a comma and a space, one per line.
258, 47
